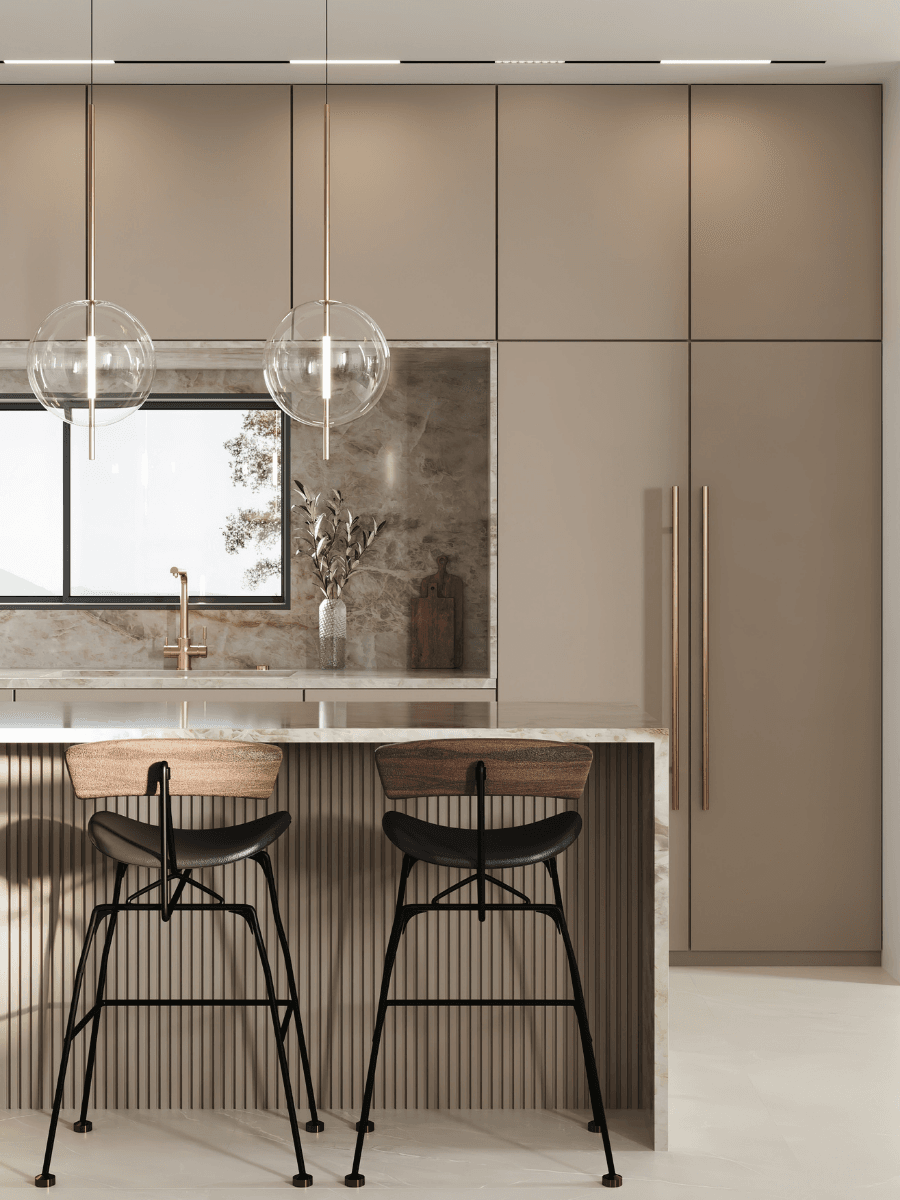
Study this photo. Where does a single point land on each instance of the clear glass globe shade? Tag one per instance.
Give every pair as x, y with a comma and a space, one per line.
61, 363
295, 366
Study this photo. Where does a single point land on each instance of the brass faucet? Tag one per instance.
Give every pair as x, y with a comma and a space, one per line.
183, 650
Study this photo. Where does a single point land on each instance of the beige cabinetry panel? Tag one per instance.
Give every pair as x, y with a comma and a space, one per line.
413, 206
193, 207
593, 212
786, 212
592, 438
787, 438
42, 263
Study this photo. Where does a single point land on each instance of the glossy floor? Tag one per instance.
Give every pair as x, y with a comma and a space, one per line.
785, 1082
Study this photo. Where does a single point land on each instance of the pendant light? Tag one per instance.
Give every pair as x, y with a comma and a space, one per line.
327, 363
91, 362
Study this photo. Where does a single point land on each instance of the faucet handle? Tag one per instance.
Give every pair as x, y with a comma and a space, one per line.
204, 635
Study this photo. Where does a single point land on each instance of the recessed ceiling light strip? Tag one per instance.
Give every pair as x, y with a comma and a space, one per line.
59, 62
411, 62
715, 62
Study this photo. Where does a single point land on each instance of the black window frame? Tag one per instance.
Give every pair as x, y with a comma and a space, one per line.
25, 402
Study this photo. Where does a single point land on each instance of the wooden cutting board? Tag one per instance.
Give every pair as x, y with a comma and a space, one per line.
445, 650
431, 633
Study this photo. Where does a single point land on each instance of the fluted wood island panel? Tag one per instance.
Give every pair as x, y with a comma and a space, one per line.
337, 877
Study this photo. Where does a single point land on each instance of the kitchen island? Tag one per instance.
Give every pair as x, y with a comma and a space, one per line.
337, 878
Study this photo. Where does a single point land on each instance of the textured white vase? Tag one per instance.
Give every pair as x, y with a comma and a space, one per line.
332, 634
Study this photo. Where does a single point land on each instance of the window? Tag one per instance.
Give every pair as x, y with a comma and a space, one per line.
189, 482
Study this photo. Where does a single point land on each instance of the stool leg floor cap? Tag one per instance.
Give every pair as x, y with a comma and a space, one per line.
302, 1181
355, 1180
44, 1180
370, 1126
612, 1181
315, 1126
82, 1126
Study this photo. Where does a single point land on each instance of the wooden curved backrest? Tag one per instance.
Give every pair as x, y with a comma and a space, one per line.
514, 766
199, 767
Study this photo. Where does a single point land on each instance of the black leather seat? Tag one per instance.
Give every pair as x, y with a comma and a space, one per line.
137, 843
517, 846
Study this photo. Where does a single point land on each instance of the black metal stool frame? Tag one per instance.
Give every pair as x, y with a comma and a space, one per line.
167, 906
404, 913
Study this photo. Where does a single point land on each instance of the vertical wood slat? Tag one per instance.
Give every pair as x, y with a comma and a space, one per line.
337, 878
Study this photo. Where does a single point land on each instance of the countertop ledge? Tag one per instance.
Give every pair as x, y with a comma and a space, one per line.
54, 721
280, 678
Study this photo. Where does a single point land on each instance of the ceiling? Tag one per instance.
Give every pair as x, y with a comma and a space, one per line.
859, 39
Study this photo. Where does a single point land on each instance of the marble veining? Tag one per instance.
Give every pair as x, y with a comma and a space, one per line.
424, 459
210, 679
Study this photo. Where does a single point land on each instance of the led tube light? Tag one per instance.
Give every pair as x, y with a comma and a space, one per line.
91, 367
346, 62
728, 62
326, 367
59, 62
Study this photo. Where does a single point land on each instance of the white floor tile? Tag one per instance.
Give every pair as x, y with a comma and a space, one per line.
785, 1084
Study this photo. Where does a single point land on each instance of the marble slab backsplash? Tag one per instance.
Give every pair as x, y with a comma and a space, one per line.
421, 460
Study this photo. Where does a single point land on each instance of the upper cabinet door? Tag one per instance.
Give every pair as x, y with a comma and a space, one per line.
593, 212
786, 212
591, 439
42, 252
412, 206
193, 207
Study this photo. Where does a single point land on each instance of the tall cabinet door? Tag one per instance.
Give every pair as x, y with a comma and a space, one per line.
787, 438
592, 437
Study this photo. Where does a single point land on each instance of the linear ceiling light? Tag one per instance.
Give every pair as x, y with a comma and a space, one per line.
729, 62
528, 62
59, 62
344, 62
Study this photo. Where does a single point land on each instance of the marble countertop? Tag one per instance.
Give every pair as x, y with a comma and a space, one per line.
199, 679
57, 721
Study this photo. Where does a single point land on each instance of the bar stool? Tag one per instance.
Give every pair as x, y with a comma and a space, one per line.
483, 767
182, 768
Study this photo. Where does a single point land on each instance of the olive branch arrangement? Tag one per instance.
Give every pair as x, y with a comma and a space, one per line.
335, 540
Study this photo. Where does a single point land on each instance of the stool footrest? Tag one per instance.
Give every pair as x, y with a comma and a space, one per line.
187, 1004
480, 1003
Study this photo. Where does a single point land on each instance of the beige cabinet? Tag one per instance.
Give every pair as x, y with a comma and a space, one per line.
413, 206
593, 212
193, 207
785, 212
787, 439
42, 254
592, 439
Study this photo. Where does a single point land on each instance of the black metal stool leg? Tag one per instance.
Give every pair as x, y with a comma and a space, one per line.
45, 1179
248, 912
598, 1125
364, 1125
313, 1125
83, 1125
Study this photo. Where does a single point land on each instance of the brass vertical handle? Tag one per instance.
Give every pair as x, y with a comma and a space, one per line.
673, 741
704, 646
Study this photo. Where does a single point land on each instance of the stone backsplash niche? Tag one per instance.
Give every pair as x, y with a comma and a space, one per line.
421, 460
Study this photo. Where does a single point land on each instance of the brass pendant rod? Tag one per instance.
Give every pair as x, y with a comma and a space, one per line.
326, 346
91, 365
326, 341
